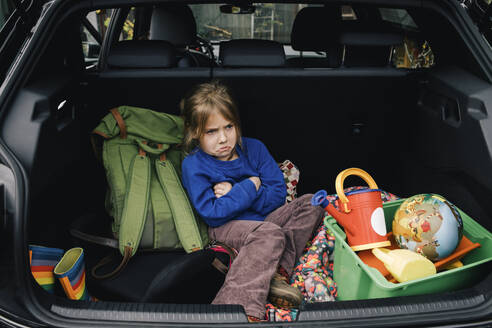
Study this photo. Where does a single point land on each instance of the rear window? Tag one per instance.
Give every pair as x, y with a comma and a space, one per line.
93, 30
274, 21
271, 21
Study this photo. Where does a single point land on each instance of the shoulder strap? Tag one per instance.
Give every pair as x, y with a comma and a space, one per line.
120, 121
136, 204
184, 219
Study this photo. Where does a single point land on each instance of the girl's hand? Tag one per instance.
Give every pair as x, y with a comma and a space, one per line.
256, 181
222, 188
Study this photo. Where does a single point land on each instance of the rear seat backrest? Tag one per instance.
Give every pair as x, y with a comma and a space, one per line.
317, 29
251, 53
144, 73
142, 54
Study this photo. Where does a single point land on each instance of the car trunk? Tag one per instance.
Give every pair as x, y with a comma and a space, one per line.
414, 131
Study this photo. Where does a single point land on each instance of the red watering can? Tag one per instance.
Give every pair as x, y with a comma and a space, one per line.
361, 212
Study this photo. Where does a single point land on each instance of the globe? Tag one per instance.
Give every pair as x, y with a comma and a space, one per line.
428, 224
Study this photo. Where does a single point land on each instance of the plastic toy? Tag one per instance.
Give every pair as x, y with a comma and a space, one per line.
405, 265
428, 224
362, 216
464, 247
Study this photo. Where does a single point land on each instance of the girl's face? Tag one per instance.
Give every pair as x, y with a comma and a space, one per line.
219, 137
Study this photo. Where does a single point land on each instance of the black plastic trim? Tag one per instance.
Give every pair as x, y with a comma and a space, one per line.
11, 320
254, 72
466, 305
19, 246
138, 312
403, 307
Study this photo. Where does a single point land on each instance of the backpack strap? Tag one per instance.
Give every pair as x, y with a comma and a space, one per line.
133, 215
184, 219
136, 204
121, 122
126, 257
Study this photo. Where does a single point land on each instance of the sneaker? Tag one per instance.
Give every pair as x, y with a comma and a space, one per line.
282, 294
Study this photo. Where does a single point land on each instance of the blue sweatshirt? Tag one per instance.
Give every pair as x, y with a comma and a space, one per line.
202, 171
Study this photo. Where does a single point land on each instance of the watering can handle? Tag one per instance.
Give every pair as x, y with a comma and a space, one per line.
341, 178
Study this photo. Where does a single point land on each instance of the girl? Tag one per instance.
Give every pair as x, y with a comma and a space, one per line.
238, 189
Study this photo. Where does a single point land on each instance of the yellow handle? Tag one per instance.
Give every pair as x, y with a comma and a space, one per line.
341, 178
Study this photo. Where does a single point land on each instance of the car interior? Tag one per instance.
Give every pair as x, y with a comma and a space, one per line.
330, 98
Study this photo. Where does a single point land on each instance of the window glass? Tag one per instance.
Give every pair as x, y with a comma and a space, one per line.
399, 17
271, 21
127, 32
413, 54
93, 31
6, 9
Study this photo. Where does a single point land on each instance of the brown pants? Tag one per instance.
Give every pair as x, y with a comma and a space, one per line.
263, 246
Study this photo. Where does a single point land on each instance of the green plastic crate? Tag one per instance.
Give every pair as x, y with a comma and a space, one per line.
356, 280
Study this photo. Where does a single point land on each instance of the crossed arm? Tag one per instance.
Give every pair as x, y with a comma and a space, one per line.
222, 188
220, 202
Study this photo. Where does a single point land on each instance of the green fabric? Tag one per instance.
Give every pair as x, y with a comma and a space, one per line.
145, 196
135, 206
170, 182
145, 125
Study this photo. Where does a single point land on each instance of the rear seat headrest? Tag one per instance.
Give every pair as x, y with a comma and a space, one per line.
316, 28
251, 53
173, 23
374, 39
142, 54
368, 48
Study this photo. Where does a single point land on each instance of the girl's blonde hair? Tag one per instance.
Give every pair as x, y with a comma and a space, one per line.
203, 100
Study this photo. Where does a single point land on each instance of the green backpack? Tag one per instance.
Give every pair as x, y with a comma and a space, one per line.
145, 198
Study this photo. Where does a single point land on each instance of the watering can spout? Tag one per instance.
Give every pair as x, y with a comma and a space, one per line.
320, 199
342, 218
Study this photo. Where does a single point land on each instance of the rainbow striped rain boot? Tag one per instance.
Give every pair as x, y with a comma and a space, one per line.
43, 260
70, 272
